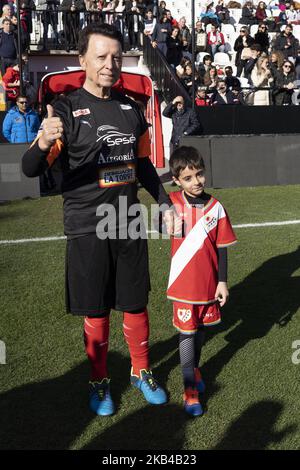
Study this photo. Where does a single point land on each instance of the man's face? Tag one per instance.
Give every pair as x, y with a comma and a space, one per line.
228, 72
198, 26
201, 94
222, 87
6, 26
102, 61
192, 181
182, 23
288, 30
22, 104
180, 106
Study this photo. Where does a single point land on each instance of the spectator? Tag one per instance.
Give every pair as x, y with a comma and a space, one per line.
21, 123
230, 80
119, 16
6, 14
282, 18
215, 40
248, 16
180, 68
11, 83
161, 32
27, 7
162, 9
200, 38
284, 84
260, 13
171, 20
292, 15
184, 120
210, 80
255, 52
222, 95
201, 97
209, 16
262, 38
135, 11
8, 46
50, 18
243, 41
94, 11
108, 11
186, 37
149, 24
204, 66
276, 62
71, 21
174, 45
297, 65
261, 76
222, 13
187, 78
287, 43
238, 96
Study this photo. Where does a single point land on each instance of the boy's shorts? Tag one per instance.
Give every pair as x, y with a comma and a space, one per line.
187, 318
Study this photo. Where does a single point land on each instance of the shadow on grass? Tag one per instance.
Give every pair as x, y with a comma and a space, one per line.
268, 296
255, 428
51, 414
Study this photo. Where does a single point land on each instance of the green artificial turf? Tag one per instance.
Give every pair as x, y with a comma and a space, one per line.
253, 387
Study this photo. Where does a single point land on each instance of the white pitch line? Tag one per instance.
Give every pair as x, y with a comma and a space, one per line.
50, 239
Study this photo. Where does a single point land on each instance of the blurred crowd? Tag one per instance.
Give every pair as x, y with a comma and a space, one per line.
253, 61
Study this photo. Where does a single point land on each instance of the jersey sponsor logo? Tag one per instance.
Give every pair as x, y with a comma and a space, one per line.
126, 107
184, 314
81, 112
126, 157
112, 136
210, 221
115, 176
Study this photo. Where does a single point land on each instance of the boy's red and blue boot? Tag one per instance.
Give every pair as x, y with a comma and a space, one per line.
191, 403
151, 390
101, 402
200, 385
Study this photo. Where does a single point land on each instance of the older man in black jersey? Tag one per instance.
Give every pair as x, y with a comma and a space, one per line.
102, 140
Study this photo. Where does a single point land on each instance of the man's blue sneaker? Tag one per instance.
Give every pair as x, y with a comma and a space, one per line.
151, 390
200, 385
100, 398
192, 405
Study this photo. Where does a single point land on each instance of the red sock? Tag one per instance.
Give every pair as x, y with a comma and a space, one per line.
136, 332
96, 331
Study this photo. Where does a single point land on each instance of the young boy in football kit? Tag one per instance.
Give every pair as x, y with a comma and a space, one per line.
198, 274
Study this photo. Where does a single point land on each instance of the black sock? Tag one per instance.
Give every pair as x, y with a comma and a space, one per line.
199, 341
187, 359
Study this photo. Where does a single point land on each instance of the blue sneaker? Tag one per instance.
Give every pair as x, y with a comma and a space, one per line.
200, 385
146, 383
100, 398
192, 405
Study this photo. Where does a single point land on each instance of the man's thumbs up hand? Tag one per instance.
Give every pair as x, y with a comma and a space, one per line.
52, 129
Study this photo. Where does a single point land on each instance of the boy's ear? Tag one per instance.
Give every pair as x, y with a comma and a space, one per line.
176, 181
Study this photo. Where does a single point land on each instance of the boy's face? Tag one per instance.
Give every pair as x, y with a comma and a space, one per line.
192, 181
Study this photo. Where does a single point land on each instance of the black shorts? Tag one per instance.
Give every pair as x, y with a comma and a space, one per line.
106, 274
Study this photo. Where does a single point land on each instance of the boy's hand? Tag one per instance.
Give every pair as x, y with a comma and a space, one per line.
222, 293
173, 223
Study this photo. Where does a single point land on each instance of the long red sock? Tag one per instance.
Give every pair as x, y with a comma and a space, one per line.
136, 332
96, 331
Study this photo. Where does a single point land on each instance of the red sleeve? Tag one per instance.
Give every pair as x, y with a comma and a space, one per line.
225, 233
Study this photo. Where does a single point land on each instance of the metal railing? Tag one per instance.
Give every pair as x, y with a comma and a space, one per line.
59, 29
164, 74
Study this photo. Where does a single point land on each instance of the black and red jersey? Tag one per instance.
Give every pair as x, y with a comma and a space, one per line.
102, 142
